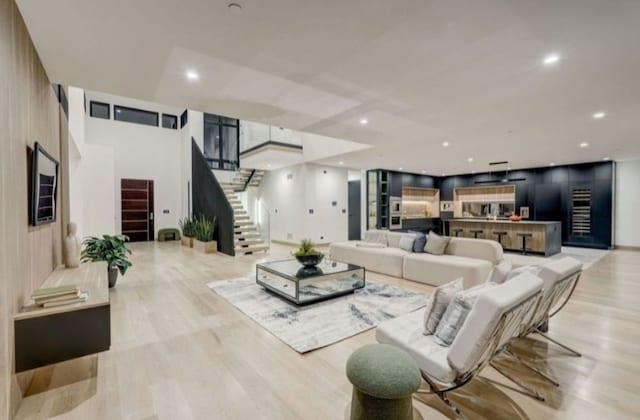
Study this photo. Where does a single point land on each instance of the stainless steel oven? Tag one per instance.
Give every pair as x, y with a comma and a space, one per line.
396, 221
395, 213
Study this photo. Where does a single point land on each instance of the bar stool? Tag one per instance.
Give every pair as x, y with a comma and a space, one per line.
500, 234
457, 231
476, 232
524, 236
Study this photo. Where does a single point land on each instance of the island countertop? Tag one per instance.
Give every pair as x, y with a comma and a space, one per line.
521, 222
541, 237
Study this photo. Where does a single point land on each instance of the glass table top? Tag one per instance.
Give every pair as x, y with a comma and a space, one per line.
293, 269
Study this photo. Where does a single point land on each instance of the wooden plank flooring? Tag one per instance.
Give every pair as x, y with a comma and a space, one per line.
181, 352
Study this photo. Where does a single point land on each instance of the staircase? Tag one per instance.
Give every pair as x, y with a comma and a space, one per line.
247, 239
245, 178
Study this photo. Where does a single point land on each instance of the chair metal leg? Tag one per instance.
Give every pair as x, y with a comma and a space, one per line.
525, 389
443, 396
569, 349
533, 368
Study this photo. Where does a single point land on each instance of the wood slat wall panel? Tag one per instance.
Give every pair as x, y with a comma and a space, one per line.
29, 111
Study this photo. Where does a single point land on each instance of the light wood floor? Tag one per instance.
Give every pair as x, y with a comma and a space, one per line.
181, 352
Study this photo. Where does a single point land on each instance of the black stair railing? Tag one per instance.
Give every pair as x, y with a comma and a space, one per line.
210, 200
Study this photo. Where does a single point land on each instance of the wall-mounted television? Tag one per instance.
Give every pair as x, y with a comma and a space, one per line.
44, 184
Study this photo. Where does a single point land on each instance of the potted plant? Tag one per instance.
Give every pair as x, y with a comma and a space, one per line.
111, 249
307, 254
204, 229
187, 226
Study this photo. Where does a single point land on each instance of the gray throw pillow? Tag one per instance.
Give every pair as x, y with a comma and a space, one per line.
436, 244
457, 312
438, 303
420, 242
406, 242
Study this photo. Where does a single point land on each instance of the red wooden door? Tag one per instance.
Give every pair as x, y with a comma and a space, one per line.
136, 197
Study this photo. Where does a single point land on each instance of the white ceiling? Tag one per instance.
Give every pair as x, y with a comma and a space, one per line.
422, 72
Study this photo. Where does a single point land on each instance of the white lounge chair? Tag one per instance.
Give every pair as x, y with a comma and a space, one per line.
496, 317
560, 278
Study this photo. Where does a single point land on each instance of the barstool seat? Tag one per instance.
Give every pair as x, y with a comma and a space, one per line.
457, 231
500, 234
524, 236
476, 232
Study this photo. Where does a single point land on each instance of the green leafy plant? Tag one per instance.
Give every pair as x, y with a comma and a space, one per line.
204, 228
306, 248
109, 248
188, 227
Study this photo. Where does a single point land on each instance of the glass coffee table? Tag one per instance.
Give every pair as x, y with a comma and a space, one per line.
300, 285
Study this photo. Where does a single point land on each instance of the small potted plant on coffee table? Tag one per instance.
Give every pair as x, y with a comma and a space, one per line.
187, 226
204, 229
110, 249
307, 254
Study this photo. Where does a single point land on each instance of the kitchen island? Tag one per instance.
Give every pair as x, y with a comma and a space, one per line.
545, 239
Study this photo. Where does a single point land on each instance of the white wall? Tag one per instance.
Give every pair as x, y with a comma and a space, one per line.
98, 195
291, 192
627, 203
77, 134
114, 150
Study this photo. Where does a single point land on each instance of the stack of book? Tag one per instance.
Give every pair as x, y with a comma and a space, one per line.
57, 296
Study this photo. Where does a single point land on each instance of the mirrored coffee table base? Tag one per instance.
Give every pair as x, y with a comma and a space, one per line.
300, 285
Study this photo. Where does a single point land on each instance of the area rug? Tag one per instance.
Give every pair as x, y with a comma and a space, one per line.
306, 328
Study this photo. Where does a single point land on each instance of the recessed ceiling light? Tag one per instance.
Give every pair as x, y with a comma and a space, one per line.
268, 165
551, 59
443, 174
584, 144
470, 159
552, 164
473, 172
364, 121
192, 75
606, 158
598, 115
424, 172
445, 144
341, 163
234, 6
399, 169
508, 168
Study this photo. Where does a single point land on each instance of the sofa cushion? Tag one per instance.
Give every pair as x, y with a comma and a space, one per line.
370, 245
420, 242
377, 236
500, 272
406, 242
406, 332
439, 300
393, 238
457, 312
440, 269
436, 244
478, 329
483, 249
386, 260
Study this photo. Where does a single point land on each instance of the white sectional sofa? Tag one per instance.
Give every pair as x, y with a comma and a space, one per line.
472, 259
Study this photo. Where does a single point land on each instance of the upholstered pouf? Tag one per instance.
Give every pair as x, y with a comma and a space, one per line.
168, 234
384, 378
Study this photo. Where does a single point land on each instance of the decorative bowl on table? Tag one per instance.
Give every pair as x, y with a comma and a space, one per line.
310, 260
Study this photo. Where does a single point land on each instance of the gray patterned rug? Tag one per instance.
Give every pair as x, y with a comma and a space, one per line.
317, 325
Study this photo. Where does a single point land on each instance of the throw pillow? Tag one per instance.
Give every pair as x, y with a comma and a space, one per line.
436, 244
440, 299
501, 272
406, 242
376, 236
457, 312
420, 242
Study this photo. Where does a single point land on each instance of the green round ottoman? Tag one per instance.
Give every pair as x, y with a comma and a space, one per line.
384, 379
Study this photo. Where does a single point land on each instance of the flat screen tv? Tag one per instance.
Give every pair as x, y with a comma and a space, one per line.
44, 184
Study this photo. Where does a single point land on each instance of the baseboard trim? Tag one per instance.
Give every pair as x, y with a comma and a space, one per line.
627, 248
